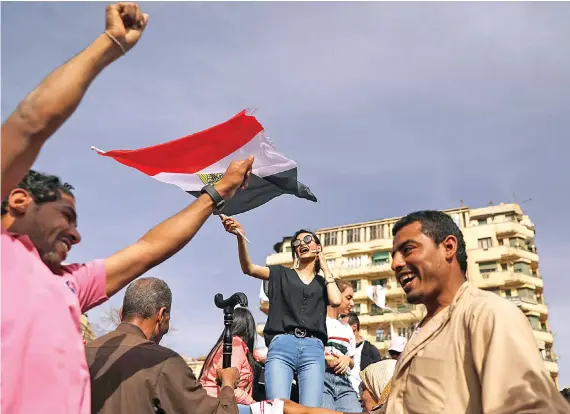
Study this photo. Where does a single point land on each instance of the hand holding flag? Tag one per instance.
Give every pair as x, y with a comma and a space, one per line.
232, 226
236, 177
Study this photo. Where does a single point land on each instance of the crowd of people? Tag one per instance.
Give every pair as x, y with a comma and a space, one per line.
474, 352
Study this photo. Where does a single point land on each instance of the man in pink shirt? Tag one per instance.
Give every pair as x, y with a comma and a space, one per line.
42, 355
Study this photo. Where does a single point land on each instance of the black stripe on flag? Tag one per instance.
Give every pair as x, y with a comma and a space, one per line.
263, 189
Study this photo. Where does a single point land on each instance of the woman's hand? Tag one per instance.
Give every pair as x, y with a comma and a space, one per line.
231, 225
343, 365
323, 262
331, 361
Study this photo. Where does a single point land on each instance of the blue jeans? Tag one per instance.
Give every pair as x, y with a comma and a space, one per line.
243, 409
288, 355
339, 394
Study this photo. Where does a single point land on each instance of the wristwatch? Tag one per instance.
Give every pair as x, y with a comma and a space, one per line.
218, 200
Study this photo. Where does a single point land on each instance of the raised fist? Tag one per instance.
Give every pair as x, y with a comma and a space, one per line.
125, 22
236, 177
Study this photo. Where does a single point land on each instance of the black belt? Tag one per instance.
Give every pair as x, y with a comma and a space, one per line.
301, 333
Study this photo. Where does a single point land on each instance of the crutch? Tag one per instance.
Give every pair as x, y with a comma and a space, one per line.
228, 305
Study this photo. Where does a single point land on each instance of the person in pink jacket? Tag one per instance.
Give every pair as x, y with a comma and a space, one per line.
243, 330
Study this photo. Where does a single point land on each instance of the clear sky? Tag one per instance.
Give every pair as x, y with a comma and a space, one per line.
386, 107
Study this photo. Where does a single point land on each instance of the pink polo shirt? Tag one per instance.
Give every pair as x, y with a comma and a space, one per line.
43, 360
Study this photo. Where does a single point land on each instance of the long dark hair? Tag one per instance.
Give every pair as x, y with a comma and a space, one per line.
244, 327
294, 254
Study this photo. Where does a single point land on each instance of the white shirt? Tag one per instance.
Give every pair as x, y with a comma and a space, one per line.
355, 372
341, 339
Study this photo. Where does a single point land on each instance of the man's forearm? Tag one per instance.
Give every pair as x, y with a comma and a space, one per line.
47, 107
157, 245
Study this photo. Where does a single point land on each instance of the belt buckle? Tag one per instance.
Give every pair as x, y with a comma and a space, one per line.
300, 333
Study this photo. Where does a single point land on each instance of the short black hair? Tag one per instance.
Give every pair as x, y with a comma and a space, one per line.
437, 226
353, 319
144, 298
42, 187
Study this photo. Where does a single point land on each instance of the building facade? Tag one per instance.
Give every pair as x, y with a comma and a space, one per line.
502, 258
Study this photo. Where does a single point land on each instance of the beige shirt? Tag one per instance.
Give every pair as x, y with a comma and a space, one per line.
478, 355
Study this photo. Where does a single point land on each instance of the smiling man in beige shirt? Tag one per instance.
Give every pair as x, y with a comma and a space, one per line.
474, 352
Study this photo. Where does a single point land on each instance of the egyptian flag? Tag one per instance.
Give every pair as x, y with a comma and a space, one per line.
193, 161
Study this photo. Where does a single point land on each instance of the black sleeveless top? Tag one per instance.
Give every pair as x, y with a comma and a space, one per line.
293, 304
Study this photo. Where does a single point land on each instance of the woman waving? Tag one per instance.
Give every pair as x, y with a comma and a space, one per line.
296, 331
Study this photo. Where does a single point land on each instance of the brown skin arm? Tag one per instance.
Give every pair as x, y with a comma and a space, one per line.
167, 238
48, 106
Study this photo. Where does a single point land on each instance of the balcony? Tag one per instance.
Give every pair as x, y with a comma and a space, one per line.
392, 289
411, 313
528, 305
543, 336
284, 258
551, 366
508, 278
504, 253
364, 270
512, 228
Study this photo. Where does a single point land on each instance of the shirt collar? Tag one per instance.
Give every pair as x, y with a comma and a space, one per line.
126, 327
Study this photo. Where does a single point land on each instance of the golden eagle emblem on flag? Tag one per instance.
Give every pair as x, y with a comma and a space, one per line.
211, 178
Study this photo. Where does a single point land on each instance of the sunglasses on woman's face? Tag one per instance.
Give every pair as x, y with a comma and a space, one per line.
307, 239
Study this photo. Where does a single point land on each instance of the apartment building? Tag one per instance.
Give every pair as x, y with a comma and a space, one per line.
502, 259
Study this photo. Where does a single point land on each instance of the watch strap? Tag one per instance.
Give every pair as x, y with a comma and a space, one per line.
218, 200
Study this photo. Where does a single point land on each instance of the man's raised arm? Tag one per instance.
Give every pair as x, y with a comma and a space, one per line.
48, 106
168, 237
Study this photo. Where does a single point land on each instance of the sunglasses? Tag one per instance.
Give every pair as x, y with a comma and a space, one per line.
307, 239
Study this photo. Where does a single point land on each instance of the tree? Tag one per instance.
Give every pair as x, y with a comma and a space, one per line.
110, 320
566, 393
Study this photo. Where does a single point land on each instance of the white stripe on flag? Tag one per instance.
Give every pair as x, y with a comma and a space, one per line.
268, 161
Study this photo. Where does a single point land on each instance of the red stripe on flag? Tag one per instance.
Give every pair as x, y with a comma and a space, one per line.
192, 153
338, 338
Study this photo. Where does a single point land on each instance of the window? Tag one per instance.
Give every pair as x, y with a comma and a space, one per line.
517, 242
510, 217
543, 327
376, 232
405, 332
457, 219
356, 309
534, 322
330, 239
355, 284
288, 248
528, 295
380, 258
379, 282
331, 263
504, 267
353, 235
487, 267
375, 310
380, 335
508, 293
482, 221
485, 243
548, 354
522, 267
